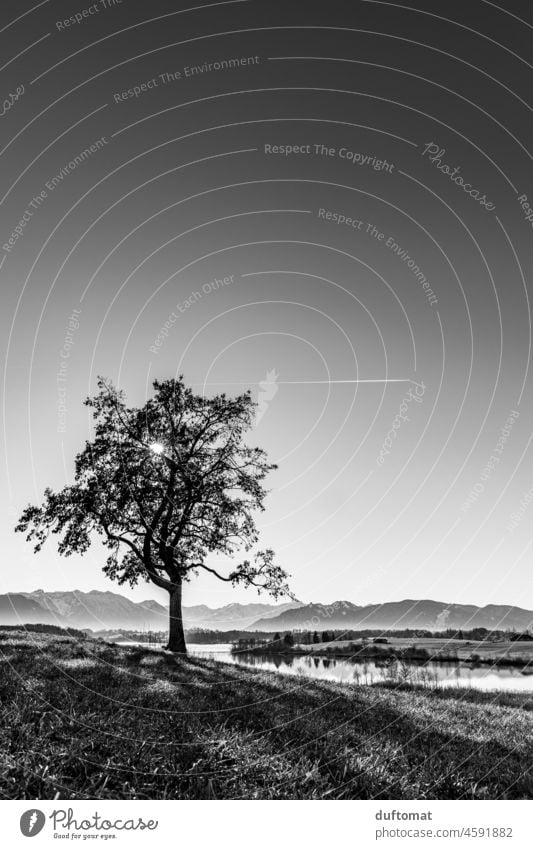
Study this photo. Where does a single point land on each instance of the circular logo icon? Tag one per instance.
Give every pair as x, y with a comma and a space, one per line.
32, 822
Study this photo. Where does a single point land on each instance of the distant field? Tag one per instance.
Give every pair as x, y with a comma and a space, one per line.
82, 719
463, 648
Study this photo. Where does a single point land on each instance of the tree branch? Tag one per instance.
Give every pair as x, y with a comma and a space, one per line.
213, 571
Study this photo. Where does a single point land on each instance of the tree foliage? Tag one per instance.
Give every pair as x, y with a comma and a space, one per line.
165, 486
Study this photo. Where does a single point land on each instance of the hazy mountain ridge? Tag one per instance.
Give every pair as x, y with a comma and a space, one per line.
232, 615
17, 607
97, 609
100, 610
409, 613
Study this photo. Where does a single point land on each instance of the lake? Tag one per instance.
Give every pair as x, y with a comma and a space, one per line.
367, 672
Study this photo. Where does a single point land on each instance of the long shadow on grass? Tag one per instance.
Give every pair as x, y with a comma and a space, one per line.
244, 733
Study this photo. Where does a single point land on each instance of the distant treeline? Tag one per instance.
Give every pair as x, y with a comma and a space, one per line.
150, 637
201, 635
45, 629
308, 637
193, 635
311, 637
209, 636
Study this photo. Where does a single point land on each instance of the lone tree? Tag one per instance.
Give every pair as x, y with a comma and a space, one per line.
165, 486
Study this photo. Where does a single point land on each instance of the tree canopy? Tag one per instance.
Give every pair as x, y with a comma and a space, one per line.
165, 486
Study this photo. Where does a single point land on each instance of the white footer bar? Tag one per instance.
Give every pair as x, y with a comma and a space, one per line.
268, 824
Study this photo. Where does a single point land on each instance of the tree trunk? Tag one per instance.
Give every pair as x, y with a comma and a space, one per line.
176, 637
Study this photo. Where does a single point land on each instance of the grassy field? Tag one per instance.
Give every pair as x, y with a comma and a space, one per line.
81, 719
502, 651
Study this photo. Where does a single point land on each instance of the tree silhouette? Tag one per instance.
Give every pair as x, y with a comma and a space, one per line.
165, 486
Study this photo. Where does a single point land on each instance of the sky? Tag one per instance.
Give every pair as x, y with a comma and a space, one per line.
326, 203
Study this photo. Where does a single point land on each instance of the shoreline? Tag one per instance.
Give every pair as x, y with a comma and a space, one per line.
414, 656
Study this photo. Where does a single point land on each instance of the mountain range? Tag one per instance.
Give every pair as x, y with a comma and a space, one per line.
409, 613
99, 610
103, 610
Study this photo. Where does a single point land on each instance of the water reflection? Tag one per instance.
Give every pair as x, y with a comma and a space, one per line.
373, 672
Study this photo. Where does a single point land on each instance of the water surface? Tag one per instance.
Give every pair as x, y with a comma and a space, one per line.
368, 672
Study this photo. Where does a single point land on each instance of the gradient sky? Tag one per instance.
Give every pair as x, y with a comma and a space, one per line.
181, 193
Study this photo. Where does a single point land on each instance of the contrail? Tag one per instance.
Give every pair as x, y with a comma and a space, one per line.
305, 382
